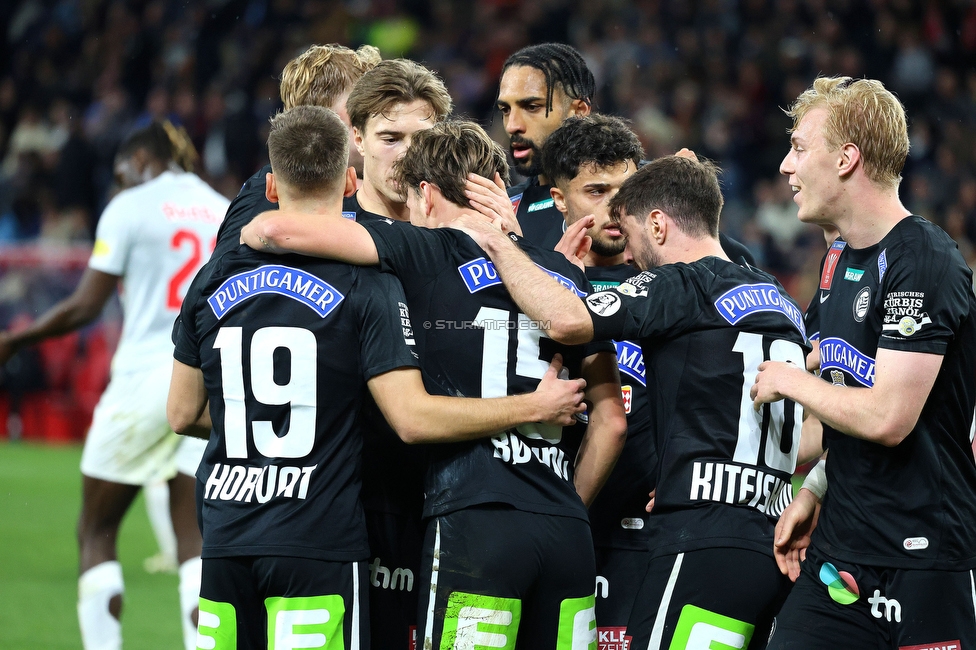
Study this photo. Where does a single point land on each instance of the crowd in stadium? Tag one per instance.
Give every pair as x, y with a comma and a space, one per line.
711, 76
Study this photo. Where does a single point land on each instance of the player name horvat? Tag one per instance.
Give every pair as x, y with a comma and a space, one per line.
261, 484
738, 485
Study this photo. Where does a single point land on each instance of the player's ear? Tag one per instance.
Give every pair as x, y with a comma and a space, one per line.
579, 108
426, 196
848, 159
657, 226
558, 198
351, 179
357, 139
270, 188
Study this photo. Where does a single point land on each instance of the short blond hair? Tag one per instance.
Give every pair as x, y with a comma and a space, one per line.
864, 113
320, 75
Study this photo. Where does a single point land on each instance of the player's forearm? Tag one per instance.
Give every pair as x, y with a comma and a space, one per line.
866, 413
541, 298
66, 316
435, 418
318, 235
606, 430
186, 404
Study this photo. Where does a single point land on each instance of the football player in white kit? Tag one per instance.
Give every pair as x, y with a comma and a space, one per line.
153, 237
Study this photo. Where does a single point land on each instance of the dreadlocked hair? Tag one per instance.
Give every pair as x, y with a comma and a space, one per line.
164, 142
560, 64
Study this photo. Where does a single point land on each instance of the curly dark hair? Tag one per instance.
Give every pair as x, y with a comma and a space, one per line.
560, 64
599, 140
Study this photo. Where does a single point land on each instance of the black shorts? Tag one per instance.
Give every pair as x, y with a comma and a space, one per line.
707, 598
394, 568
504, 578
619, 573
250, 603
839, 605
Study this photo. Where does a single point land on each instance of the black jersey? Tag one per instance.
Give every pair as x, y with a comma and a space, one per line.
724, 468
617, 516
286, 345
249, 203
474, 342
393, 471
541, 223
912, 506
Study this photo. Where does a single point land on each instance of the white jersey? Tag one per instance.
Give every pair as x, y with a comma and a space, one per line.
156, 236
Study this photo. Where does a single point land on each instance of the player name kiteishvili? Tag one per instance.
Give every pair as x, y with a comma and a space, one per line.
299, 285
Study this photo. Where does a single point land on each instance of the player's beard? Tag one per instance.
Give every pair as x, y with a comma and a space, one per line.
531, 166
608, 247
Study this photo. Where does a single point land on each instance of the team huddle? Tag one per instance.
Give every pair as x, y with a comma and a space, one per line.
447, 414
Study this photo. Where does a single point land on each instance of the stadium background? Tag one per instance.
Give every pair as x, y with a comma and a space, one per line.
712, 75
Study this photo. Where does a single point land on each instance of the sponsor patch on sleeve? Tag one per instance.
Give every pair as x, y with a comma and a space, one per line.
603, 303
405, 324
905, 312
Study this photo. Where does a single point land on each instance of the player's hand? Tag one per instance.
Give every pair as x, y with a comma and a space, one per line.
813, 359
793, 530
477, 226
575, 243
490, 199
685, 152
650, 504
560, 399
773, 375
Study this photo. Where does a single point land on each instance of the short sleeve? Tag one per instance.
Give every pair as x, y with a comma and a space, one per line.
925, 296
646, 305
407, 250
185, 337
113, 237
386, 333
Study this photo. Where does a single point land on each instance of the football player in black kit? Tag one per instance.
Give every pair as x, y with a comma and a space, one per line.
890, 563
540, 86
508, 555
587, 159
704, 324
282, 347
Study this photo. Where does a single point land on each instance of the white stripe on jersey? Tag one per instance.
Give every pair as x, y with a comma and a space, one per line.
354, 636
972, 583
435, 567
662, 611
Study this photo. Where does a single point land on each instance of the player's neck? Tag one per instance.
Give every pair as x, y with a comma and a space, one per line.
689, 249
870, 217
373, 201
593, 259
311, 205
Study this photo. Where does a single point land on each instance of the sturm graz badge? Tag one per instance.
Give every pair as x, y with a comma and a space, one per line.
861, 303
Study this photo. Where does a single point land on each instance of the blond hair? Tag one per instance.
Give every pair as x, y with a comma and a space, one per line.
320, 75
864, 113
392, 82
445, 154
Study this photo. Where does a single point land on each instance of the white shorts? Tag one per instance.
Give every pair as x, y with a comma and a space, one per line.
130, 440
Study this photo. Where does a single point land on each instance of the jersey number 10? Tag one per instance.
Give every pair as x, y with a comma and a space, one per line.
778, 423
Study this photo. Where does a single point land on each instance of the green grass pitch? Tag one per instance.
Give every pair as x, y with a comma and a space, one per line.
40, 495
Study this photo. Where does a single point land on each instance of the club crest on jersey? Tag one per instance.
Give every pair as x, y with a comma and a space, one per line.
481, 273
296, 284
630, 360
838, 354
516, 200
861, 303
830, 264
745, 299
